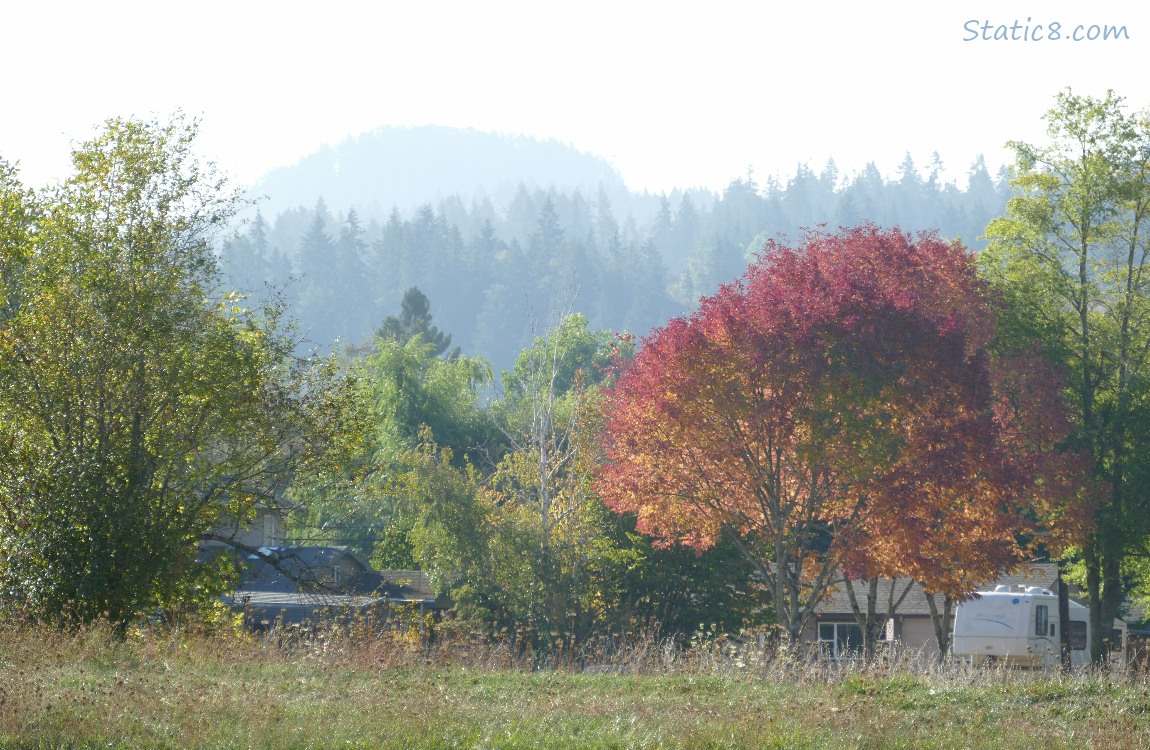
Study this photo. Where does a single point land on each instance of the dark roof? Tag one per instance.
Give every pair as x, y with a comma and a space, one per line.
293, 602
291, 569
295, 583
307, 570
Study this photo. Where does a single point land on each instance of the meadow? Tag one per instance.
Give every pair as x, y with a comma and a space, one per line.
98, 688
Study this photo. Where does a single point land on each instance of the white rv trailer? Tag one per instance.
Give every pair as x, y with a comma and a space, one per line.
1019, 627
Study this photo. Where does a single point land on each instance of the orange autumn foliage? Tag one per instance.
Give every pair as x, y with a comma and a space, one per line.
839, 407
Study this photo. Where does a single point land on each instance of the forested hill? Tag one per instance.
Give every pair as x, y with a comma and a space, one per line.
404, 168
407, 208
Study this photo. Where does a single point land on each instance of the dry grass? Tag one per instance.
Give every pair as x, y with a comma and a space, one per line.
353, 687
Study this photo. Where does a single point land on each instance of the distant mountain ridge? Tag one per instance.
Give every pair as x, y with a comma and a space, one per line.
494, 230
408, 167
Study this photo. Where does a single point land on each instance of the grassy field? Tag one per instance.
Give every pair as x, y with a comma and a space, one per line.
92, 690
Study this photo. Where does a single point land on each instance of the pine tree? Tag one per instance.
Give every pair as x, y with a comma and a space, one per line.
415, 320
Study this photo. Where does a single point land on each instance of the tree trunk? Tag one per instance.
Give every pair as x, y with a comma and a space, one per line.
942, 623
1064, 619
872, 624
1094, 599
868, 621
1111, 603
1104, 592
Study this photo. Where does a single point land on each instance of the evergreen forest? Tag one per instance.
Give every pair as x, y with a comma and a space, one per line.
492, 261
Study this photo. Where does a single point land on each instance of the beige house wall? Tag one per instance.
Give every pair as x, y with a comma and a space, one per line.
917, 635
913, 633
265, 530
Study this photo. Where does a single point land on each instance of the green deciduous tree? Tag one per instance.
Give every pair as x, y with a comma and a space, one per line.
413, 389
412, 398
138, 404
1070, 256
542, 483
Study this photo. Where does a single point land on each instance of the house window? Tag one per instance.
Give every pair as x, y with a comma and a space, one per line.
1041, 618
840, 640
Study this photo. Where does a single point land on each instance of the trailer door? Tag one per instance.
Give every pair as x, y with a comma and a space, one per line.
1044, 631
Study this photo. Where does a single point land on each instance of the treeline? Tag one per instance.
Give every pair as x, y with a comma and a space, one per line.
628, 267
493, 499
144, 403
517, 503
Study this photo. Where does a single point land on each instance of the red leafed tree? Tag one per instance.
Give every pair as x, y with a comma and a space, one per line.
837, 407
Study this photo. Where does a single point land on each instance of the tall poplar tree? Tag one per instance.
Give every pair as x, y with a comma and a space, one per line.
1070, 256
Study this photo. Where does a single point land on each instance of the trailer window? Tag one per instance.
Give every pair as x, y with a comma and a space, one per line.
1076, 634
1041, 618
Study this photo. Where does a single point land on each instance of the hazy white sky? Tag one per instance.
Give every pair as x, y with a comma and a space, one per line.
673, 94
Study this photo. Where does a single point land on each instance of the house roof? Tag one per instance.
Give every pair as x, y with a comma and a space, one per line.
294, 582
1044, 575
288, 569
305, 571
294, 602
